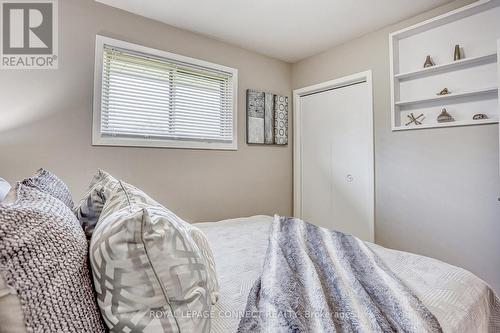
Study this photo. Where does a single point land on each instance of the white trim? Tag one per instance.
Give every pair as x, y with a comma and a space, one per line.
498, 73
393, 57
297, 143
454, 15
98, 140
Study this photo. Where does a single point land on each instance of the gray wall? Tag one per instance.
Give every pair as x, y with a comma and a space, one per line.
436, 189
45, 120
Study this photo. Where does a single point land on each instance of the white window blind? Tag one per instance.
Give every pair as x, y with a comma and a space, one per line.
146, 97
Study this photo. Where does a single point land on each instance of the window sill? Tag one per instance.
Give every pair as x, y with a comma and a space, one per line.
154, 143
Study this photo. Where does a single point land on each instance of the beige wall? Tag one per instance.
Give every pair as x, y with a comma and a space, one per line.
436, 189
45, 120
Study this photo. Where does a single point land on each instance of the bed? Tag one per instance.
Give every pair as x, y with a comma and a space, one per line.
459, 300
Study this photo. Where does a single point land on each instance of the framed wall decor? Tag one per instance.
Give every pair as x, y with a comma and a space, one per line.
267, 118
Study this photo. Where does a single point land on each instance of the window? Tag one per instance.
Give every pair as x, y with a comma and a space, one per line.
147, 97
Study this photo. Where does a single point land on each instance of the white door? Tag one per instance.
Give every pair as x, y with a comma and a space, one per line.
336, 156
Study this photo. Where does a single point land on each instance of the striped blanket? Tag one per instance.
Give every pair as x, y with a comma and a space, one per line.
318, 280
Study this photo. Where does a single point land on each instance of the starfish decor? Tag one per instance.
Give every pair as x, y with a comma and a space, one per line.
415, 120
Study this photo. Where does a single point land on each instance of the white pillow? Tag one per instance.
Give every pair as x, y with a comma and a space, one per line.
4, 189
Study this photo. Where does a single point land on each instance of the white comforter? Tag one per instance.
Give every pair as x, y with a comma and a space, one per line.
459, 300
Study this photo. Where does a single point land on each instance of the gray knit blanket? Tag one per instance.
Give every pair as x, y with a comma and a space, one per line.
318, 280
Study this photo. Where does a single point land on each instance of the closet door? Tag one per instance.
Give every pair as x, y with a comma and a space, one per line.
337, 160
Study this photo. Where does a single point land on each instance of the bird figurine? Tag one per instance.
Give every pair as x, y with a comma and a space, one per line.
443, 92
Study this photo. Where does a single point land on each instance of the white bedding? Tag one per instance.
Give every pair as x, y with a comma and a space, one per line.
459, 300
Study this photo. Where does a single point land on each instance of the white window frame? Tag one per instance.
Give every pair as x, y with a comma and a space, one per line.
99, 140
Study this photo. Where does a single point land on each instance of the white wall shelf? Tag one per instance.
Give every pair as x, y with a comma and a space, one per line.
440, 98
490, 58
472, 80
449, 124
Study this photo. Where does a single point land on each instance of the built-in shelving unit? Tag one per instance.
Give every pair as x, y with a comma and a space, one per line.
472, 80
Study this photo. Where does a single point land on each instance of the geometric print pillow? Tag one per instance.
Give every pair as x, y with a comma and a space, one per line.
149, 274
103, 186
49, 183
201, 241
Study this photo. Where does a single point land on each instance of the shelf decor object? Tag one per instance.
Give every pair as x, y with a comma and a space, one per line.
443, 92
445, 117
457, 54
415, 120
471, 80
428, 62
479, 116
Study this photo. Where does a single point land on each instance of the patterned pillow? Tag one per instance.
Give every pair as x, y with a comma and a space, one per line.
149, 273
201, 241
44, 259
103, 185
90, 206
48, 182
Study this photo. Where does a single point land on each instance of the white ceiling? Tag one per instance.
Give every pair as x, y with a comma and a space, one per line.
289, 30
